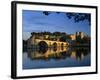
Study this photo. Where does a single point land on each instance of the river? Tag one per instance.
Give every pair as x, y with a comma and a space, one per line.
56, 57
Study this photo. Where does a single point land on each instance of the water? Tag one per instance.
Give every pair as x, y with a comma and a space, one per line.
56, 57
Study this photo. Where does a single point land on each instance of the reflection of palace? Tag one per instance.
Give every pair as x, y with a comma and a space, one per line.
79, 53
58, 53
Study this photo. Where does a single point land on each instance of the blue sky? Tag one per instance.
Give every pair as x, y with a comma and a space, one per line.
36, 21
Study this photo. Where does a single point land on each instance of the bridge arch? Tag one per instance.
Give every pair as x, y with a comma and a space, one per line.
42, 44
54, 45
43, 47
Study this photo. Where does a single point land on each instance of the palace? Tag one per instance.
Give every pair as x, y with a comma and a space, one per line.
76, 35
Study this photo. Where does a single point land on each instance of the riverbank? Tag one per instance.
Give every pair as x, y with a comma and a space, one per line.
80, 45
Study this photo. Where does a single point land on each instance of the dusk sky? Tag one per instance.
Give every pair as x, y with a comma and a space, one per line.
36, 21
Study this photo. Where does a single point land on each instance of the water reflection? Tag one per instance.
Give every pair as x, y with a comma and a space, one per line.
58, 53
56, 57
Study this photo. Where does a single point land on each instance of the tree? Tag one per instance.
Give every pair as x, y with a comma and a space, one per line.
79, 40
68, 37
79, 17
57, 33
63, 33
33, 33
76, 16
63, 38
86, 39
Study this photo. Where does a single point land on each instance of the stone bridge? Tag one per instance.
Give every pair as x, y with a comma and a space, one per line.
48, 43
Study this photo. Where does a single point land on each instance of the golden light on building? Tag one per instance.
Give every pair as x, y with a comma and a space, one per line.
73, 37
80, 34
46, 36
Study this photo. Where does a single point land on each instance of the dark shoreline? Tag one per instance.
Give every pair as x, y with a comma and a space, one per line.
80, 45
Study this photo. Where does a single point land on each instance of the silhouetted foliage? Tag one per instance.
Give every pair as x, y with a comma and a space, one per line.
79, 17
76, 16
63, 38
25, 42
57, 33
86, 40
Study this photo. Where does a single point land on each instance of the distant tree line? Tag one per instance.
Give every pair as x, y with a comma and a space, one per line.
48, 33
84, 40
62, 36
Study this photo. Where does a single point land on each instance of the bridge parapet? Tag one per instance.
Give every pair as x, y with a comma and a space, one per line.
50, 43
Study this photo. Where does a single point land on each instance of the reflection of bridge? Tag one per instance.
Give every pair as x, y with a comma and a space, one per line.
76, 53
50, 52
47, 43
